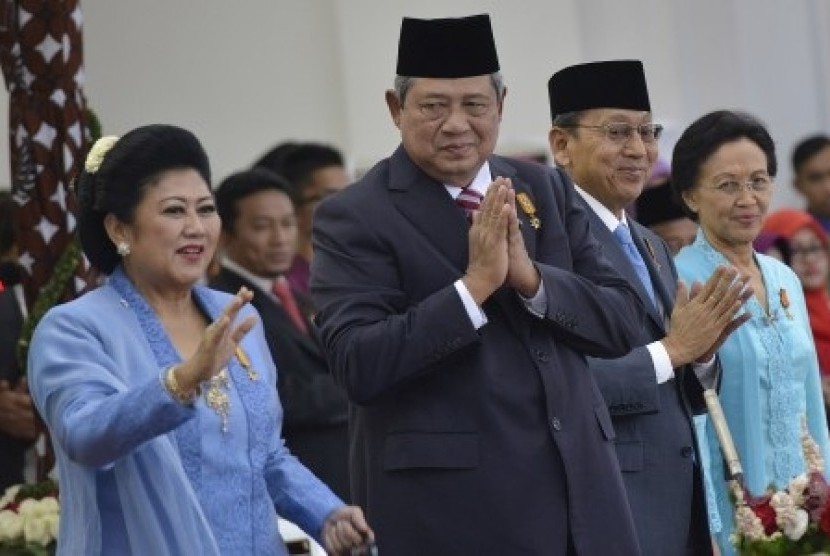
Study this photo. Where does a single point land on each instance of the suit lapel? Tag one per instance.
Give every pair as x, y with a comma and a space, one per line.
658, 263
614, 252
268, 308
426, 204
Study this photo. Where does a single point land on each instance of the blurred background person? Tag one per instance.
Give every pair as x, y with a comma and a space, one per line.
723, 168
162, 404
809, 259
17, 417
259, 239
657, 209
811, 176
316, 171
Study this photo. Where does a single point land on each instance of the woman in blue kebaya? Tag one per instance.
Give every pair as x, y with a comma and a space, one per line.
161, 394
723, 170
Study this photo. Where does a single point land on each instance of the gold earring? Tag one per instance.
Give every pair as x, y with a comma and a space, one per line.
123, 248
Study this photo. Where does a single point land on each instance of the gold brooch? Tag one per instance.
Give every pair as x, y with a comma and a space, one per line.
246, 363
529, 209
216, 397
785, 302
652, 252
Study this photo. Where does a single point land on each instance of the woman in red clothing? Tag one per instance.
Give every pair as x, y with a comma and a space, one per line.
810, 260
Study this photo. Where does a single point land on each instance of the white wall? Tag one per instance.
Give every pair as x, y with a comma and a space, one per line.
246, 75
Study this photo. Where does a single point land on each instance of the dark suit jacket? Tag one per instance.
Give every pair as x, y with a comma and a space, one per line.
12, 449
655, 438
465, 441
315, 420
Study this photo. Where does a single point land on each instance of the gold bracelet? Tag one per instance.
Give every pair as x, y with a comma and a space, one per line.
171, 384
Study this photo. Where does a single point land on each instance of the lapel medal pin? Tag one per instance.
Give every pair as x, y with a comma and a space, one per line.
529, 209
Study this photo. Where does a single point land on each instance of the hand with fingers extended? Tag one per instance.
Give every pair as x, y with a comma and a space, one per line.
218, 344
704, 317
488, 259
17, 414
522, 274
345, 532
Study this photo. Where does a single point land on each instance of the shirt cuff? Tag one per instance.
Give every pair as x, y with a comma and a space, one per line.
477, 316
707, 373
538, 304
662, 362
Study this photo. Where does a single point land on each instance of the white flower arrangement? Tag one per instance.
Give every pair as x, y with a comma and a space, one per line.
98, 151
29, 519
786, 522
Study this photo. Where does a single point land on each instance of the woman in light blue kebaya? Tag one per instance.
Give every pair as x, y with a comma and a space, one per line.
160, 394
723, 170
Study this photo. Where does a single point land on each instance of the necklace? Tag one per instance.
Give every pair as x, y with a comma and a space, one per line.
216, 397
216, 394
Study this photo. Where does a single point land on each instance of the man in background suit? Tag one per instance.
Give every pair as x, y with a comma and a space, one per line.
603, 136
17, 417
460, 332
259, 234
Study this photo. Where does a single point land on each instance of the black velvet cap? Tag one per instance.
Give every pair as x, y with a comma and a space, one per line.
612, 84
657, 204
447, 48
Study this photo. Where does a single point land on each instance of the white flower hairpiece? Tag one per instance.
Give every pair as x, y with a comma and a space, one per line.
98, 151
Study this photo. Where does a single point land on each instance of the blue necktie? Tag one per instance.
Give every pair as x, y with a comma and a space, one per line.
623, 235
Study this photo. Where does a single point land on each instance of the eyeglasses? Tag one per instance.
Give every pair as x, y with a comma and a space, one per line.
622, 132
733, 187
439, 110
802, 253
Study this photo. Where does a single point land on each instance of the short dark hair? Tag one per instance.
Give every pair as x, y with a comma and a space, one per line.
8, 237
237, 186
808, 148
134, 162
297, 162
705, 136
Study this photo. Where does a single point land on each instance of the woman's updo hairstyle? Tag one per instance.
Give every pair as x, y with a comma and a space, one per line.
116, 174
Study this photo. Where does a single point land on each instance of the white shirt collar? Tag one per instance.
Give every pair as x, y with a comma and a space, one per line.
608, 218
480, 183
265, 284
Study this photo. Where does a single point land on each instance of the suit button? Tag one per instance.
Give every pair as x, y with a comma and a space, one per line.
686, 451
542, 356
556, 424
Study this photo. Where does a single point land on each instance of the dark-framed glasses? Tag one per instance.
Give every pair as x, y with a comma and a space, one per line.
733, 187
622, 132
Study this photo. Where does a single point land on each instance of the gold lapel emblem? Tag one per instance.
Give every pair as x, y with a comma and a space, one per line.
529, 209
652, 252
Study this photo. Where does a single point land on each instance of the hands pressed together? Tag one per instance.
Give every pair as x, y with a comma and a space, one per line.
497, 250
706, 315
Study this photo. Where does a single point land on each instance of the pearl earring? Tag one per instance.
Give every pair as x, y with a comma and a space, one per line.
123, 248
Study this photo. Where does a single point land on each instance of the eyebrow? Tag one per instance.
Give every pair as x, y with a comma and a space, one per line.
184, 199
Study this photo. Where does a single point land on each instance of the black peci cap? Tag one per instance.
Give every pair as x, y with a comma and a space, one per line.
447, 48
611, 84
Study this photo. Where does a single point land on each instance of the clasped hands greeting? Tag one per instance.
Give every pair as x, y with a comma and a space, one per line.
345, 530
497, 250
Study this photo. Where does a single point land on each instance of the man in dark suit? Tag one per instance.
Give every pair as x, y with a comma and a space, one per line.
259, 235
603, 136
476, 427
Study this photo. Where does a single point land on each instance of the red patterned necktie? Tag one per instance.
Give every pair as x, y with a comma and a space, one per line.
283, 292
469, 200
